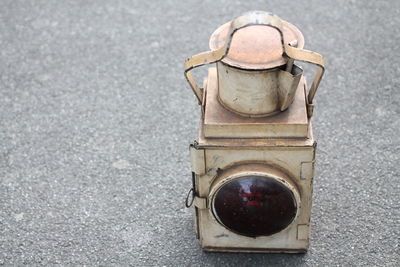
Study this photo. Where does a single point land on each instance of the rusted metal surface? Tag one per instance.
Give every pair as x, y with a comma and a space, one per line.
270, 89
255, 18
255, 123
256, 47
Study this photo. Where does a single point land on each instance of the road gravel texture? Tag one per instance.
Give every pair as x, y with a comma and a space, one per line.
96, 118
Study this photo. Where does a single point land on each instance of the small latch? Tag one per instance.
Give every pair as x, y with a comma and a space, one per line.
199, 202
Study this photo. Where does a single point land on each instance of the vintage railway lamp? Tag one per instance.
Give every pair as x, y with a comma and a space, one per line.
253, 162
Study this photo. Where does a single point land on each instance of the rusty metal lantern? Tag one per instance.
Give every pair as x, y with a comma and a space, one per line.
253, 161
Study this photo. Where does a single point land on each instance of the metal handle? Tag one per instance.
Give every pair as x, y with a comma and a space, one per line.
248, 19
309, 57
188, 203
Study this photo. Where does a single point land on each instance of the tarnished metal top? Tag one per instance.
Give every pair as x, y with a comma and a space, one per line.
256, 46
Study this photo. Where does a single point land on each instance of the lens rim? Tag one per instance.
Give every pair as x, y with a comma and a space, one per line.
261, 171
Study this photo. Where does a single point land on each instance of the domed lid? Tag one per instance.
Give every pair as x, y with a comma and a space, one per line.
256, 46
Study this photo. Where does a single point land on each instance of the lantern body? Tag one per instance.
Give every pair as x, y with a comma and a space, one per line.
253, 160
221, 164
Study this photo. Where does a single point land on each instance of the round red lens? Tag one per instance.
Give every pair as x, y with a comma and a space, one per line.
255, 206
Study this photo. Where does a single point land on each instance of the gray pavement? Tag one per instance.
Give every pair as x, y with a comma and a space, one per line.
96, 118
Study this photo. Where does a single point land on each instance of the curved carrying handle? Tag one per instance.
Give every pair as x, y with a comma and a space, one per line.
309, 57
249, 19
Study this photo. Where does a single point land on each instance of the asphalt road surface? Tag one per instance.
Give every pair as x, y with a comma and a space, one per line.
96, 118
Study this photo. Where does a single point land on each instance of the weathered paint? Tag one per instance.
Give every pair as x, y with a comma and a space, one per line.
237, 139
288, 158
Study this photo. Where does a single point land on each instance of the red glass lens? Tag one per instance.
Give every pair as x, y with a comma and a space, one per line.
255, 206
